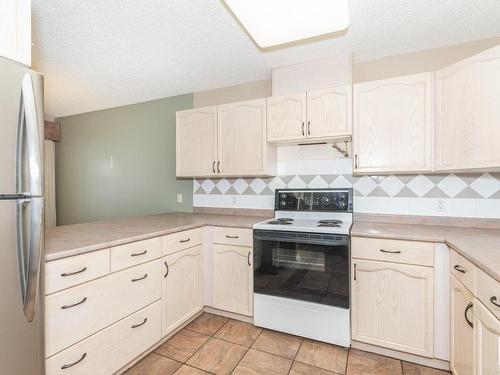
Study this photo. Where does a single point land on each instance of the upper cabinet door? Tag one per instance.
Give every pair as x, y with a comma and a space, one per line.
329, 112
196, 140
393, 124
242, 145
467, 113
15, 30
286, 117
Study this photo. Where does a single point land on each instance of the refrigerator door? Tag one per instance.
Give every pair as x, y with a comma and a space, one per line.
21, 341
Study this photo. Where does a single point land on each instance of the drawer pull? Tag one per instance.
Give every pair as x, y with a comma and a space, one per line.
469, 306
233, 237
140, 324
64, 307
65, 274
248, 258
138, 254
390, 251
166, 265
459, 269
184, 241
74, 363
493, 300
140, 278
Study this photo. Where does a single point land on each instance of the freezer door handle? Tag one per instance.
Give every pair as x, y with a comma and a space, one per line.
29, 244
29, 159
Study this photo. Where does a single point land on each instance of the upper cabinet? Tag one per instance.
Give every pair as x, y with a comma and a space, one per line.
393, 124
196, 142
468, 114
15, 30
226, 140
310, 117
286, 117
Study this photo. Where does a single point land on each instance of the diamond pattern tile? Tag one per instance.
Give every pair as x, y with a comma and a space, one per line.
452, 185
486, 185
420, 185
392, 185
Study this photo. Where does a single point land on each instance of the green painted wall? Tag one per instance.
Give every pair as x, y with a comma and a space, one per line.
120, 162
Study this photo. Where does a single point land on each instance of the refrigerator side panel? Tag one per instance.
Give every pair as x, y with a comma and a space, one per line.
22, 342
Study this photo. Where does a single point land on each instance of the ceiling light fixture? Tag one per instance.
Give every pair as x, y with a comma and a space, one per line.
274, 22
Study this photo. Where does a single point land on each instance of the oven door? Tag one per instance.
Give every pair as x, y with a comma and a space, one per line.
310, 267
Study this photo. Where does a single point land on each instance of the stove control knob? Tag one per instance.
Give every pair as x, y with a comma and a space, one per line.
282, 203
325, 200
342, 204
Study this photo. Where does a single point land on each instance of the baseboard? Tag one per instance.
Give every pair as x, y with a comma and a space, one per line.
227, 314
429, 362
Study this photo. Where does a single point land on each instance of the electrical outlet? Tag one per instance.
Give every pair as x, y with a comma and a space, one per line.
179, 198
441, 205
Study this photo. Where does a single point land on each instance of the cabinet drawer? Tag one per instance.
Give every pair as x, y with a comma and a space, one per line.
134, 253
409, 252
488, 291
109, 350
68, 272
233, 236
182, 240
79, 312
463, 270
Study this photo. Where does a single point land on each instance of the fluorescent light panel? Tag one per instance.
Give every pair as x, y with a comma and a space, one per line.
275, 22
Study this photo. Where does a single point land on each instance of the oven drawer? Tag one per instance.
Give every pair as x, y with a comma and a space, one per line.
397, 251
233, 236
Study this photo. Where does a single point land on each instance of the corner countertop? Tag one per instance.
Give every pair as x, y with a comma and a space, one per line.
71, 240
480, 246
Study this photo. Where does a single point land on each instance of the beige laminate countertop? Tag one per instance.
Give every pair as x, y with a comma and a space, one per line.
70, 240
480, 246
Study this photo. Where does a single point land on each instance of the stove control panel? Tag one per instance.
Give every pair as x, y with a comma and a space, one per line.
333, 200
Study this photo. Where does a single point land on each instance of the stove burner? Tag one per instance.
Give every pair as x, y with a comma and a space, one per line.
330, 225
330, 221
284, 219
279, 222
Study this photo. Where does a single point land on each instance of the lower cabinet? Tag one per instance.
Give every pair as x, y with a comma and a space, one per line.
110, 349
392, 306
233, 278
181, 289
462, 332
487, 340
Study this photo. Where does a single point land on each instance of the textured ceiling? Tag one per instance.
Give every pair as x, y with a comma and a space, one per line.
98, 54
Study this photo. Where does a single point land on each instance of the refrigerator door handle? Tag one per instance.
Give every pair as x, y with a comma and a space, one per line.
29, 159
30, 242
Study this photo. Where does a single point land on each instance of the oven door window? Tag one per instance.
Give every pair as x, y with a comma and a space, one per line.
302, 271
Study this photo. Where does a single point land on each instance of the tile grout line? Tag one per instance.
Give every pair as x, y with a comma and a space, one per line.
295, 356
250, 347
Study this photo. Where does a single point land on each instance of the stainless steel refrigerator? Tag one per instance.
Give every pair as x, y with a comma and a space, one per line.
21, 221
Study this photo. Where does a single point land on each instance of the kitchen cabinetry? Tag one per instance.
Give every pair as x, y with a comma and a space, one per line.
196, 142
233, 278
15, 30
312, 116
393, 122
487, 340
181, 291
467, 114
242, 146
462, 333
392, 306
225, 140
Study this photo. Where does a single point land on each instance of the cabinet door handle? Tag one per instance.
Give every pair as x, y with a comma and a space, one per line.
140, 278
65, 274
218, 167
168, 269
355, 161
391, 251
303, 132
64, 307
213, 166
140, 324
459, 269
184, 241
234, 237
354, 271
248, 258
469, 306
138, 254
308, 127
84, 355
493, 300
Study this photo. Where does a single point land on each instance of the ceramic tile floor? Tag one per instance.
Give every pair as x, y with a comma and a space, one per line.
213, 344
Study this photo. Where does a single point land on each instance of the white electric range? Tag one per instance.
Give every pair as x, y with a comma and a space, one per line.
302, 265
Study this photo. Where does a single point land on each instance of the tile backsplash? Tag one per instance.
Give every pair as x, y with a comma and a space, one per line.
459, 195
